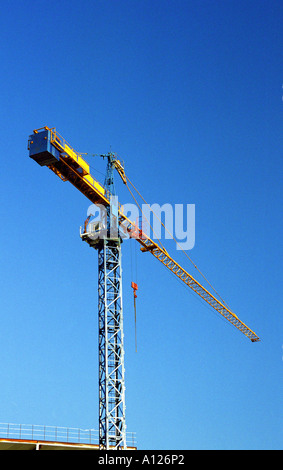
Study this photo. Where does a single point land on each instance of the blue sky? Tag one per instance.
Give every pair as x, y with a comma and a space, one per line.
189, 94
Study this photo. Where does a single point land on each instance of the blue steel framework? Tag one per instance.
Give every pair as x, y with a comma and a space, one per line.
112, 423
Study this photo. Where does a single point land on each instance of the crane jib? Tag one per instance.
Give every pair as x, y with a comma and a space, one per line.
49, 149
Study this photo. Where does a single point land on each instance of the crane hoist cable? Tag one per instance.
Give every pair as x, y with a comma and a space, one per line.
135, 288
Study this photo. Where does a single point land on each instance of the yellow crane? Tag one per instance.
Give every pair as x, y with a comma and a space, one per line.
49, 149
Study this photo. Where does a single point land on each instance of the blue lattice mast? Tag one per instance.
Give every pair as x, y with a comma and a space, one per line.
112, 425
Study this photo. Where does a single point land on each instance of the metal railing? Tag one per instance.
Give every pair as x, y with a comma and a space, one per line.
37, 432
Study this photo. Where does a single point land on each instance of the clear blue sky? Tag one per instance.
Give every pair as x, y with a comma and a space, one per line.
189, 94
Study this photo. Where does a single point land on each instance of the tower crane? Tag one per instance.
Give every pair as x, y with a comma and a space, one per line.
49, 149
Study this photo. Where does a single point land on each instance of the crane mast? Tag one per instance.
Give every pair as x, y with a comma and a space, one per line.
112, 424
49, 149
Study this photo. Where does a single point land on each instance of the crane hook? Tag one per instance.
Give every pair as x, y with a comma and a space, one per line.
135, 288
